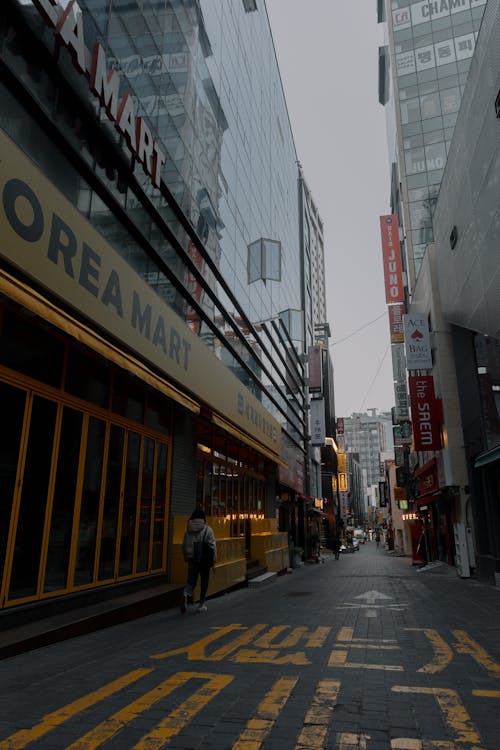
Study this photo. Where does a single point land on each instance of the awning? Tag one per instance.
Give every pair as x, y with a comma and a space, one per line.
247, 439
487, 457
424, 499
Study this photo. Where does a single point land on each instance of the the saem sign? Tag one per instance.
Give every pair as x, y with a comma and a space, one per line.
425, 413
391, 251
104, 83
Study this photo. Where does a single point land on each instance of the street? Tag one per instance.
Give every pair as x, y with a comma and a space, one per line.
362, 653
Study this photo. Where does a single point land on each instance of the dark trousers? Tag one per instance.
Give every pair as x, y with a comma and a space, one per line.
195, 570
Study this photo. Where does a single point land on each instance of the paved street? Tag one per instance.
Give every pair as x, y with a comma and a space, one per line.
365, 652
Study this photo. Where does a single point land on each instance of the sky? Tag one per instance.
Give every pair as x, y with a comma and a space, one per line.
327, 52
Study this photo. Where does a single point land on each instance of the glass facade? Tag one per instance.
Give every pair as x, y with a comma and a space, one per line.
230, 175
432, 43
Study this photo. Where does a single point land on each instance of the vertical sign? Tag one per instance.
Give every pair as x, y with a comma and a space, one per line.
315, 369
425, 413
417, 342
396, 313
318, 429
391, 253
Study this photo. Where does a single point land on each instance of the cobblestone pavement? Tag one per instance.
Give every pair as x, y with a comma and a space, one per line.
365, 653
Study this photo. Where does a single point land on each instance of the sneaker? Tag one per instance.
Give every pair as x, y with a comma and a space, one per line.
184, 603
201, 608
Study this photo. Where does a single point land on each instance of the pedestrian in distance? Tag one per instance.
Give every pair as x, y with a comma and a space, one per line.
377, 539
336, 547
200, 552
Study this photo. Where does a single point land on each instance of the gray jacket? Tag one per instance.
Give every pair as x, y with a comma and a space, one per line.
196, 528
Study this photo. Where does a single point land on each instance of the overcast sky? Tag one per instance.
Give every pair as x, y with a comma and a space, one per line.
328, 56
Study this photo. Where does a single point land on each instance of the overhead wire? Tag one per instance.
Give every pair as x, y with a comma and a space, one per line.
361, 328
374, 377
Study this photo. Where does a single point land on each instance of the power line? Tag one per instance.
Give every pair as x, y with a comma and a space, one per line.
374, 377
361, 328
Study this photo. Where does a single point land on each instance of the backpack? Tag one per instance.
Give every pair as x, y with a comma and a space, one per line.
203, 552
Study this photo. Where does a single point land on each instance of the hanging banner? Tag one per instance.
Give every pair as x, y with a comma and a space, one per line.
391, 252
396, 313
425, 413
318, 430
315, 369
417, 342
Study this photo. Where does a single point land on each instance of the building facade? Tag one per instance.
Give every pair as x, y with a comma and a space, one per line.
423, 72
466, 232
152, 304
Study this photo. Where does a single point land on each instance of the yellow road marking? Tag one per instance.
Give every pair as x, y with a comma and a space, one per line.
454, 711
178, 719
442, 652
269, 709
338, 658
467, 645
487, 693
270, 656
319, 715
345, 635
25, 736
196, 650
402, 743
108, 728
314, 639
349, 741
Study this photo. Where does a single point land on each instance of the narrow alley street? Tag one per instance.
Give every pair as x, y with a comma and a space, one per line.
365, 652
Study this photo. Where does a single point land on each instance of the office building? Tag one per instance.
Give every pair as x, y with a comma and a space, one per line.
152, 338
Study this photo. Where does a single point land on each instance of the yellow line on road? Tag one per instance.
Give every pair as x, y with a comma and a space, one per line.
349, 741
318, 718
268, 710
442, 652
196, 650
467, 645
454, 711
184, 713
338, 658
314, 639
487, 693
108, 728
50, 721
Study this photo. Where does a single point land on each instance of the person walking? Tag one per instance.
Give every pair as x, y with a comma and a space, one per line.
200, 552
377, 538
336, 546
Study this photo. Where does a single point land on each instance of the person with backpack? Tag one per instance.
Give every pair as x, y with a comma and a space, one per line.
200, 552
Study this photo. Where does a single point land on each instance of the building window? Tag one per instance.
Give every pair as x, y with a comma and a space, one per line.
264, 260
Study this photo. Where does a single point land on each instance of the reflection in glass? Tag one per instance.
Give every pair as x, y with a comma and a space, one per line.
57, 565
13, 404
130, 494
89, 511
31, 519
160, 507
111, 503
146, 506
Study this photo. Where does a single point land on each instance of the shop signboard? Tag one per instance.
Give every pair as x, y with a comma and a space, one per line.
391, 253
425, 413
417, 342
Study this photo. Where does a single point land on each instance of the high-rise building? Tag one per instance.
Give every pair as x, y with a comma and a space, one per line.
423, 69
152, 312
369, 435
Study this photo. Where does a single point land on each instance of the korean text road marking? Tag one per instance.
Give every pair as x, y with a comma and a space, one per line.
339, 653
454, 712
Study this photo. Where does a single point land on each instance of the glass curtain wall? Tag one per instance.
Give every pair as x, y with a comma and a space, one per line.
433, 47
